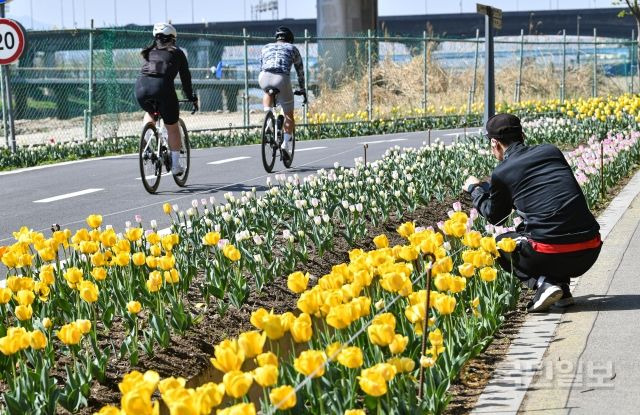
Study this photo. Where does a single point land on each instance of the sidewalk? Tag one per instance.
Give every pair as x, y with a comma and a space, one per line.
586, 360
592, 364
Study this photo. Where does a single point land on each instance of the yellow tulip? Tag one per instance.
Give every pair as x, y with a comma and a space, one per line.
402, 364
398, 344
208, 396
488, 274
297, 282
231, 252
154, 283
228, 356
381, 334
310, 363
237, 383
139, 259
355, 412
507, 245
134, 234
122, 259
25, 297
257, 318
172, 276
445, 304
94, 221
169, 383
333, 350
472, 239
388, 371
488, 243
166, 208
73, 276
109, 410
406, 229
351, 357
38, 340
134, 307
83, 325
272, 325
466, 270
457, 284
266, 376
211, 238
5, 295
47, 323
70, 334
381, 241
88, 291
23, 312
301, 329
283, 397
435, 338
340, 316
251, 342
372, 383
287, 320
137, 401
268, 358
46, 274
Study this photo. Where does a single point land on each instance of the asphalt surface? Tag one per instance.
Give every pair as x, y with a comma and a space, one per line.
66, 193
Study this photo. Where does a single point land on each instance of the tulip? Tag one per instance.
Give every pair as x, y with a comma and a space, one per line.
231, 252
38, 340
208, 396
109, 410
355, 412
70, 334
211, 238
94, 221
381, 241
257, 318
83, 325
238, 409
237, 383
507, 245
310, 363
340, 316
167, 384
23, 312
488, 274
381, 334
138, 258
99, 273
398, 344
166, 208
154, 283
251, 342
445, 304
472, 239
351, 357
402, 364
25, 297
406, 229
46, 323
266, 376
427, 361
73, 276
372, 383
297, 282
5, 295
457, 284
134, 234
272, 325
134, 307
388, 371
488, 243
466, 270
88, 291
228, 356
267, 358
283, 397
302, 329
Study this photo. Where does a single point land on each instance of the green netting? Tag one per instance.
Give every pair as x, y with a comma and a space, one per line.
349, 78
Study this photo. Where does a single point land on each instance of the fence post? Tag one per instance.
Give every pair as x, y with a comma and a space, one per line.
306, 72
4, 107
595, 63
89, 131
519, 83
564, 66
475, 66
424, 72
246, 79
631, 56
369, 77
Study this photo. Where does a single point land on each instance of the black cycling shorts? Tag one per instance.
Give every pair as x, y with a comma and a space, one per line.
151, 90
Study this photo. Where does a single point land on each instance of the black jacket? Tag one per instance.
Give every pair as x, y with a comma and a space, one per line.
539, 184
166, 61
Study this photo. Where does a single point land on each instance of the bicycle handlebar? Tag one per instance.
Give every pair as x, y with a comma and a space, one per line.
303, 93
195, 105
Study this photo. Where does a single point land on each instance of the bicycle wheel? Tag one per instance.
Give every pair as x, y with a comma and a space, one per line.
269, 146
185, 155
287, 161
150, 164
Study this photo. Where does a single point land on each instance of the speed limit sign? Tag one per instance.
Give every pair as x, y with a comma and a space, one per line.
11, 41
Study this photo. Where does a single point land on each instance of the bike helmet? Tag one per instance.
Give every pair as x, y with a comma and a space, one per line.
164, 29
284, 33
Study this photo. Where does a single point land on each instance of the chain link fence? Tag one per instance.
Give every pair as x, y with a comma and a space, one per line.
79, 84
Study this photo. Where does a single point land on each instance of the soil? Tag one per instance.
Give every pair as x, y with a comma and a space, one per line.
188, 355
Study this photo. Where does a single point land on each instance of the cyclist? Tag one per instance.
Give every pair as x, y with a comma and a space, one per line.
275, 63
163, 60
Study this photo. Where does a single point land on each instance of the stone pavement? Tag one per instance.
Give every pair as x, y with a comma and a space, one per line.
586, 360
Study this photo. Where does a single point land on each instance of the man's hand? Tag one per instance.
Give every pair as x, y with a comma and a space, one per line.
470, 180
196, 107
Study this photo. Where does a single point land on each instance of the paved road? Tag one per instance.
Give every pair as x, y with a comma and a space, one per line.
67, 193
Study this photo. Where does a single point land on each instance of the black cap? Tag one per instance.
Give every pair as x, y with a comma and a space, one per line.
504, 127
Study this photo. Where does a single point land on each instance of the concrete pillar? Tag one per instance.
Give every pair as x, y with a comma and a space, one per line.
204, 53
343, 18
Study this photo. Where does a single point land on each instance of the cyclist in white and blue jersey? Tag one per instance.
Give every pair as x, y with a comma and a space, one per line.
275, 64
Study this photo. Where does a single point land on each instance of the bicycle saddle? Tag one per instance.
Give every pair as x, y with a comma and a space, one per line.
272, 91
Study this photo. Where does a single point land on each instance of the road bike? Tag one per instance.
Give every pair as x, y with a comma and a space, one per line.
273, 133
154, 152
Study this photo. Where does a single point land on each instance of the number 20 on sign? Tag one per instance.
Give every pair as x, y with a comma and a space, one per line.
12, 41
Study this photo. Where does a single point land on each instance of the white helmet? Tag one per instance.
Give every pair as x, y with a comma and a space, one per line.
166, 29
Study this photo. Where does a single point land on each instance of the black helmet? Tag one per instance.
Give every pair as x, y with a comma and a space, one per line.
284, 33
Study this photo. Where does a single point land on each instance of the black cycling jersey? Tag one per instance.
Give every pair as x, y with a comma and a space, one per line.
166, 61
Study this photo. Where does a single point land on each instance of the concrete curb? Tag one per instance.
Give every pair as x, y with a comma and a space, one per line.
512, 377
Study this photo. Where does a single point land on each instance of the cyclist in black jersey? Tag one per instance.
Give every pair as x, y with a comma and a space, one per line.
163, 60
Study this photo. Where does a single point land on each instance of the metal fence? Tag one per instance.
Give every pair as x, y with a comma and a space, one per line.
79, 84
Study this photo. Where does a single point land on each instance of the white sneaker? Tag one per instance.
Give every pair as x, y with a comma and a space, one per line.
546, 295
177, 169
286, 145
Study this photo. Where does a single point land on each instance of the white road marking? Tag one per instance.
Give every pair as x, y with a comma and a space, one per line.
383, 141
67, 195
153, 175
229, 160
308, 149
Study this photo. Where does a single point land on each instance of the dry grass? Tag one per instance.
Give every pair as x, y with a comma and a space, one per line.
401, 85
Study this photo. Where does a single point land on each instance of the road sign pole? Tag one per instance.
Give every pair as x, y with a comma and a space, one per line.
90, 109
4, 107
7, 101
489, 82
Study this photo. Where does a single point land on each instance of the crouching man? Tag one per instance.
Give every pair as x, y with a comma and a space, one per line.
558, 237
